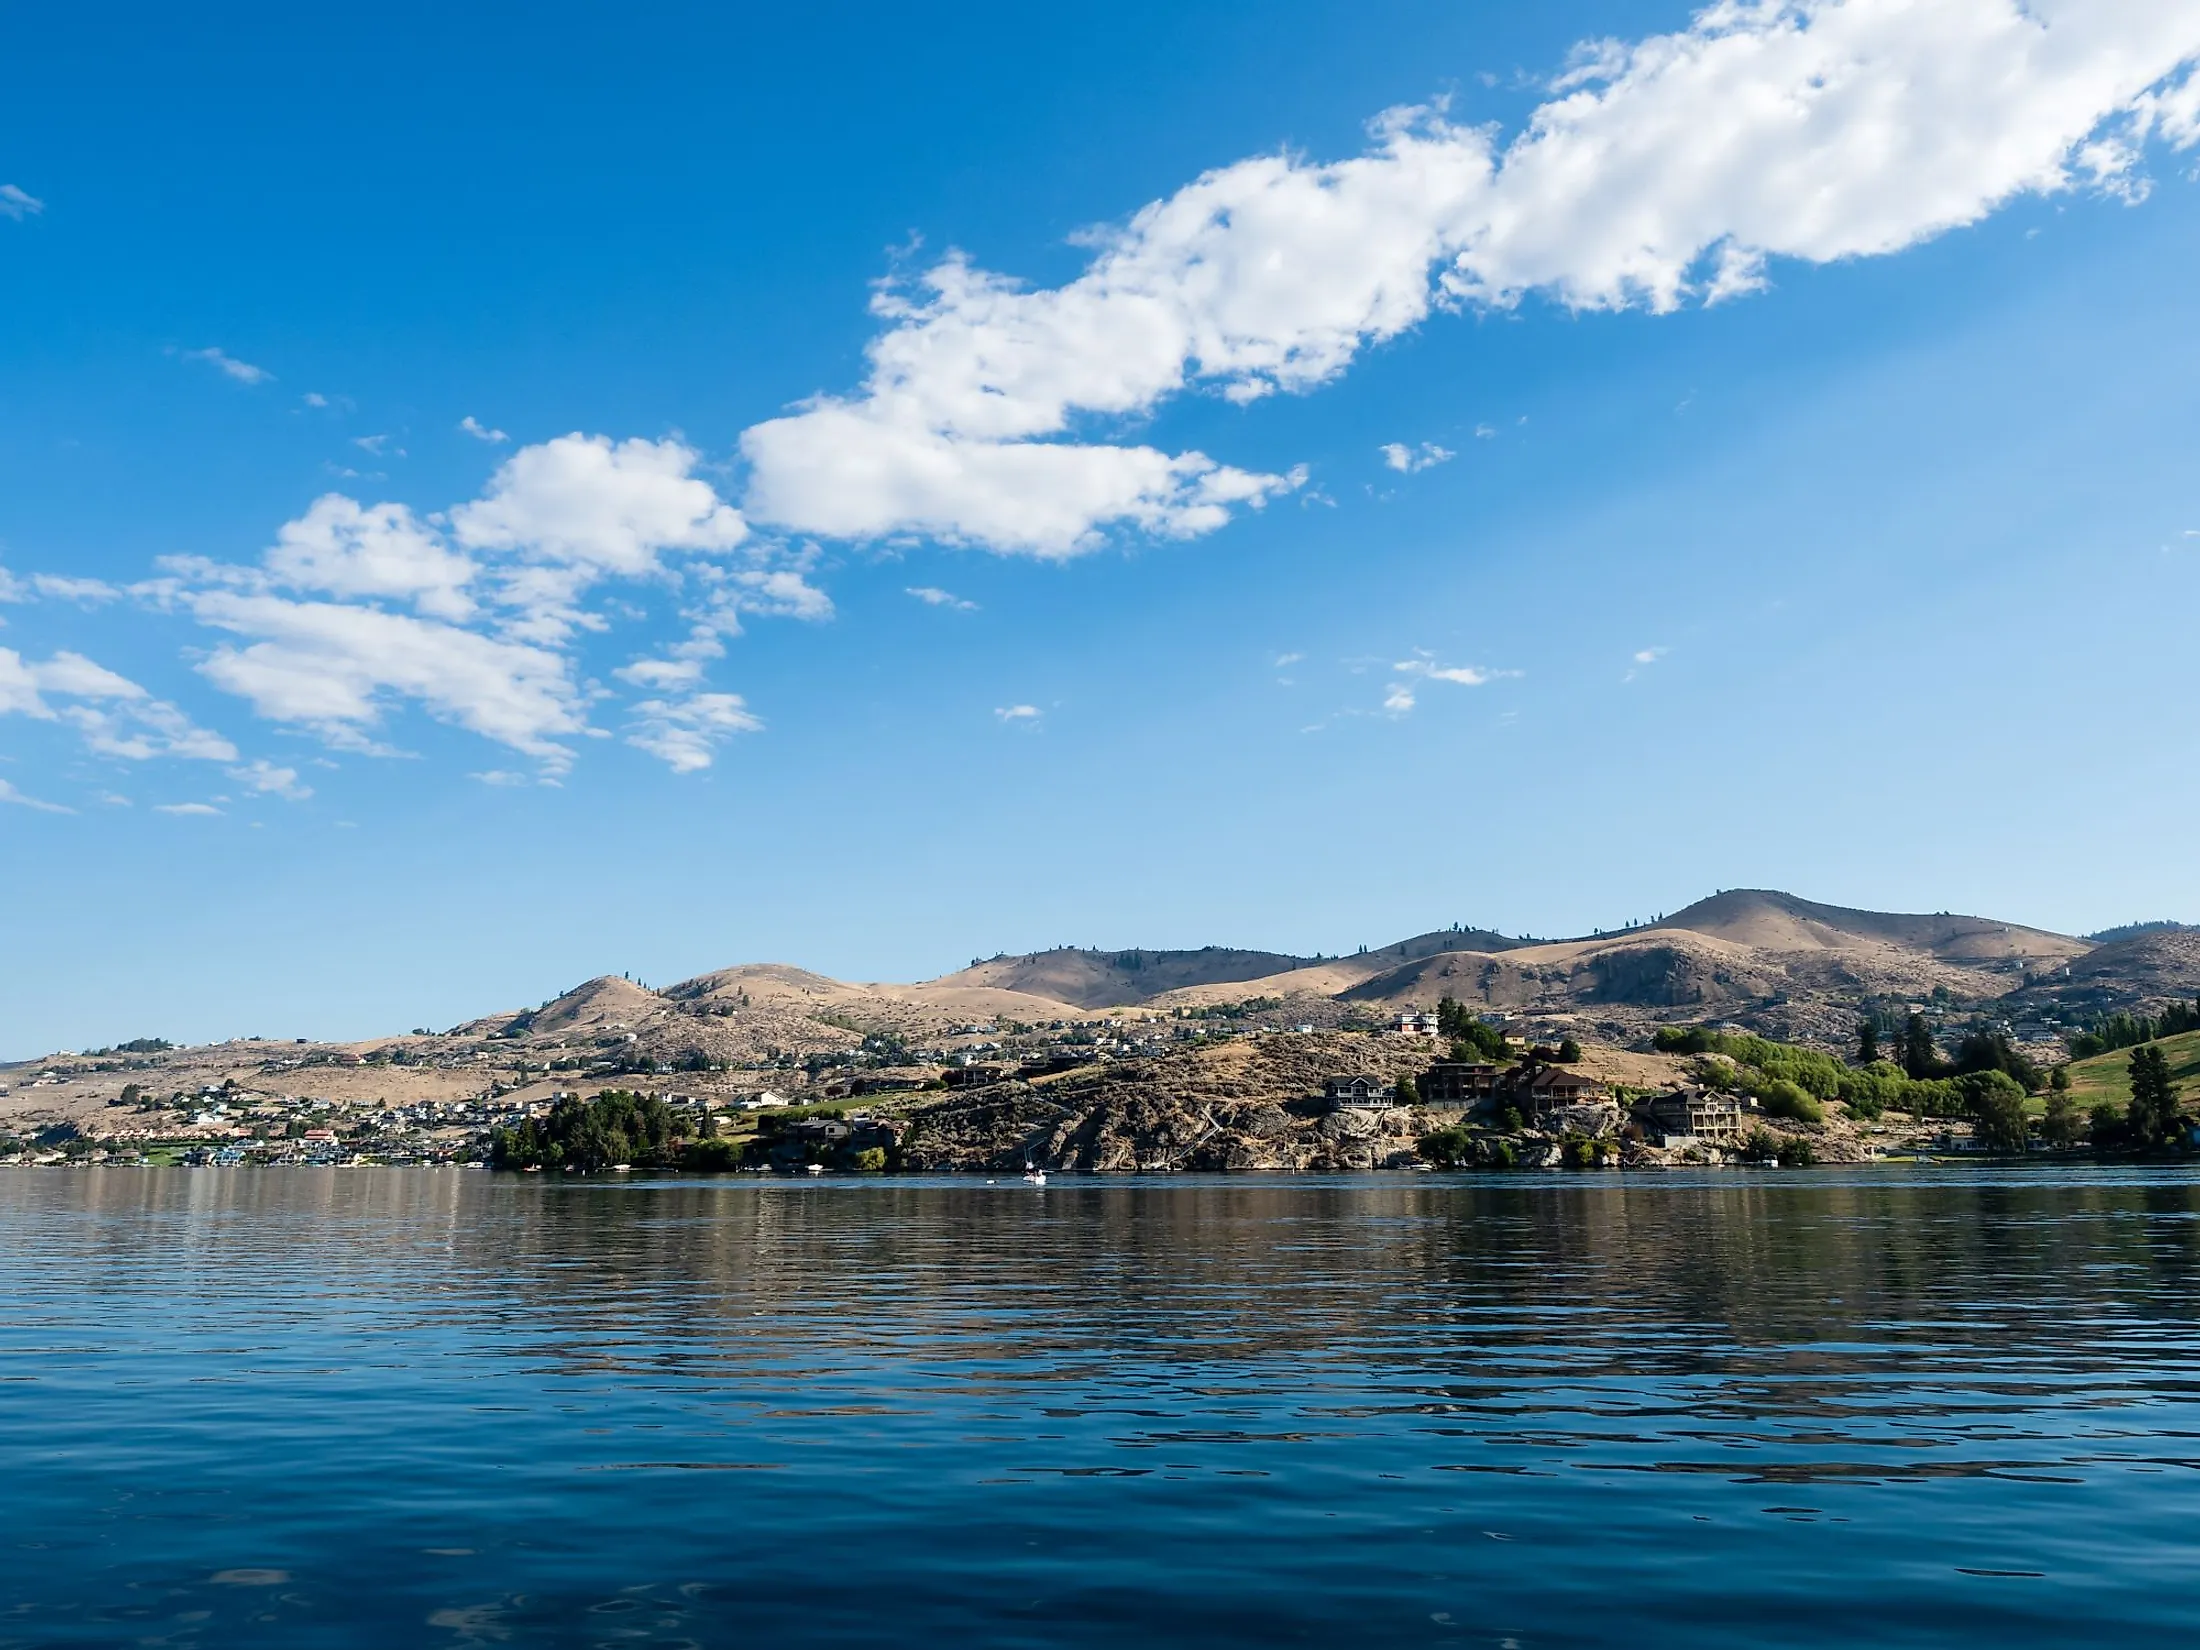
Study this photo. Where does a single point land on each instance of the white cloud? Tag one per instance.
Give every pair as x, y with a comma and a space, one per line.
339, 548
17, 204
501, 777
13, 589
1018, 713
244, 372
333, 668
9, 794
314, 398
1425, 667
933, 596
1399, 699
1667, 171
498, 589
1485, 432
375, 444
480, 431
682, 732
1408, 460
1284, 660
189, 810
1649, 655
270, 780
91, 592
115, 716
590, 502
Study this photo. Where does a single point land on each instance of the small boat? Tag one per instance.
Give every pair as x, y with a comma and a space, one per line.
813, 1168
1034, 1177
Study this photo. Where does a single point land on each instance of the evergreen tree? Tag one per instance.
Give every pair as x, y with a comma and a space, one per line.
1867, 1043
2153, 1115
1919, 1057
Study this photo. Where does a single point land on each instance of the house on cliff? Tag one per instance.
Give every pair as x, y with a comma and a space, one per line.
1356, 1091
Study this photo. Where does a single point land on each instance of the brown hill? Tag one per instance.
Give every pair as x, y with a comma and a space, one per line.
1112, 979
1774, 921
2143, 973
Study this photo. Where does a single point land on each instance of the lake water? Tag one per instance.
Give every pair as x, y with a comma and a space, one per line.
400, 1407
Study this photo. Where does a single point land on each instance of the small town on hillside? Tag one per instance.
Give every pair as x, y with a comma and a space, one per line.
1441, 1087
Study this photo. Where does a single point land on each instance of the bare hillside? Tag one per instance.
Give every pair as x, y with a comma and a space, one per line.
1774, 921
1111, 979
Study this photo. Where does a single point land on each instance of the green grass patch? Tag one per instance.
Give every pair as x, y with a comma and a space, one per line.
2108, 1076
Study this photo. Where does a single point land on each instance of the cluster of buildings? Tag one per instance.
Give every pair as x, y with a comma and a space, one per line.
1547, 1095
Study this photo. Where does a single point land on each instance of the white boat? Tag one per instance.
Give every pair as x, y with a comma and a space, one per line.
1034, 1177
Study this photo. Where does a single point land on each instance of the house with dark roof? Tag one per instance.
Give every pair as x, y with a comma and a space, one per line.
1356, 1091
1458, 1083
1536, 1088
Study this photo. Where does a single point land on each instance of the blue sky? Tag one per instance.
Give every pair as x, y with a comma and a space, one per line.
490, 500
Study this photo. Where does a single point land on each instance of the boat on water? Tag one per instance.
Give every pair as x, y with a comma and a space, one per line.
1034, 1177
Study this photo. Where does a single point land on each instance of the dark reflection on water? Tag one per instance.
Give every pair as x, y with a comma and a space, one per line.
432, 1407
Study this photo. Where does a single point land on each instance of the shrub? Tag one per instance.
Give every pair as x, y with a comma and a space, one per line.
871, 1160
711, 1156
1569, 1052
1446, 1148
1785, 1098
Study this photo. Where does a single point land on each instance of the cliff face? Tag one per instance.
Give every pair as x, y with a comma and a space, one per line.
1249, 1105
1253, 1104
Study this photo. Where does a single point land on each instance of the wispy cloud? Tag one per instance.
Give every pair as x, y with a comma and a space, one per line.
9, 794
1018, 713
270, 780
18, 204
1644, 658
114, 716
480, 431
90, 592
932, 596
188, 810
682, 733
244, 372
1423, 667
1410, 460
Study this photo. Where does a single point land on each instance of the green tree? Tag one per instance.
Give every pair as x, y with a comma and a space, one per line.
1569, 1052
1919, 1057
1407, 1092
2063, 1126
1867, 1042
2152, 1118
2058, 1081
1996, 1103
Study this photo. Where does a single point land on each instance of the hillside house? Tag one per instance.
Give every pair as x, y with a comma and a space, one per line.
1356, 1091
1413, 1024
1690, 1113
1536, 1089
971, 1077
1458, 1083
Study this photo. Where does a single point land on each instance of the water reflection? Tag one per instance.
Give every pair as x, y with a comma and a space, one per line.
446, 1407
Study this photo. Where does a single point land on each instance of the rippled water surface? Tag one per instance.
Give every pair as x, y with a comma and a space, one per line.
385, 1407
